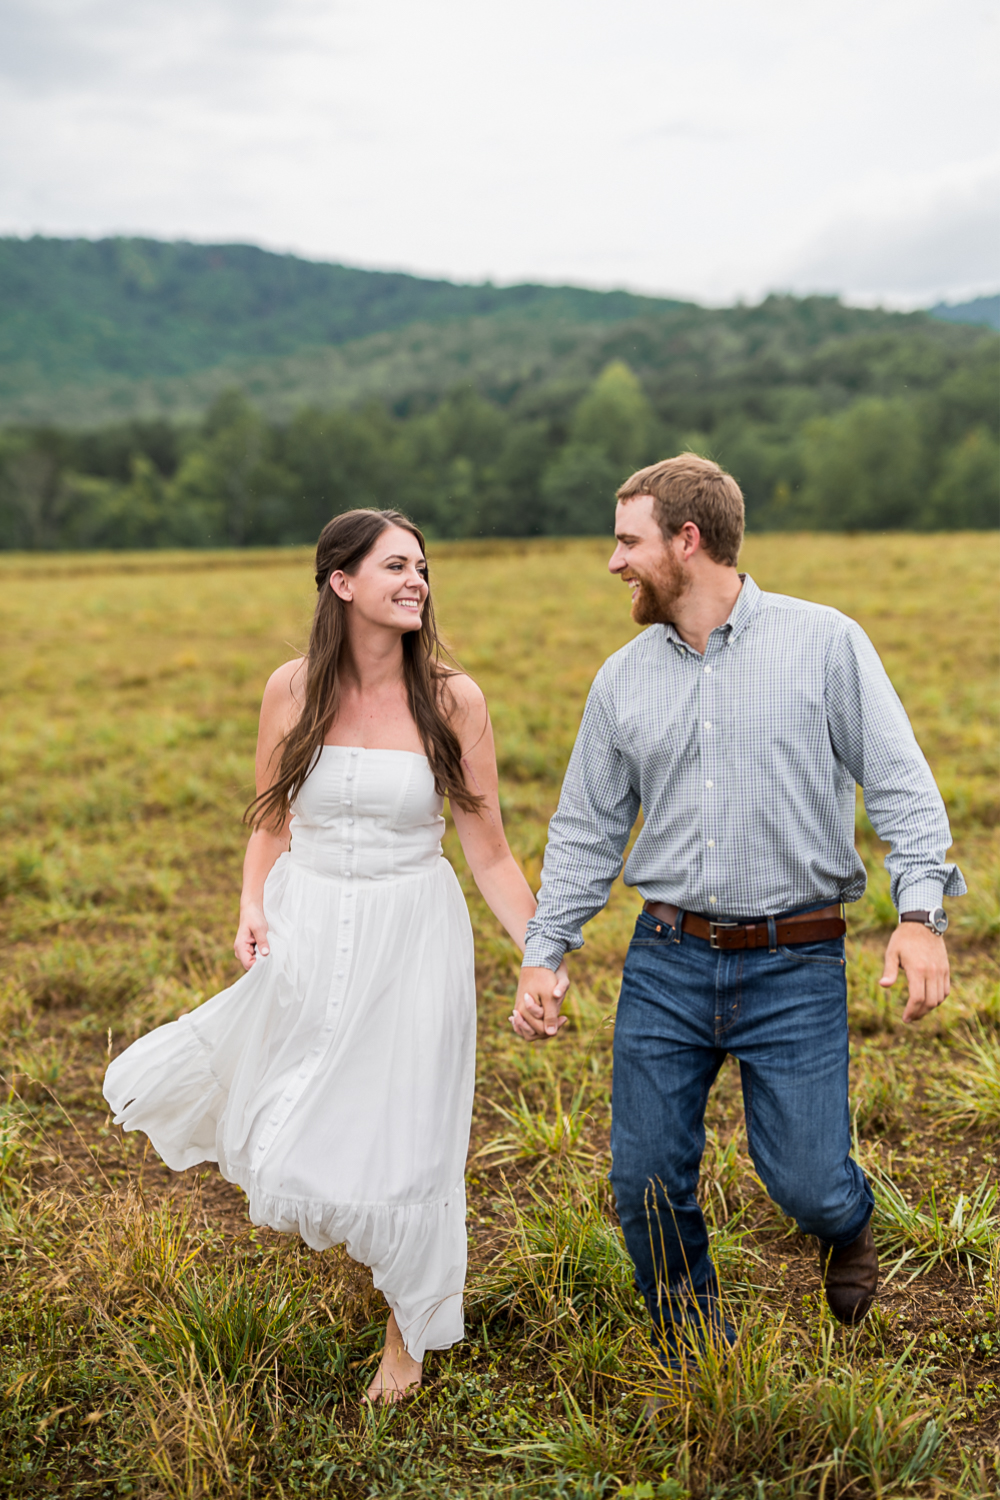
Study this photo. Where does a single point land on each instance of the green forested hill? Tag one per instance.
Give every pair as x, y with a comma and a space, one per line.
73, 310
91, 331
152, 396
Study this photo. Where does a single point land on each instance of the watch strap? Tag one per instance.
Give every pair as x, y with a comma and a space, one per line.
935, 920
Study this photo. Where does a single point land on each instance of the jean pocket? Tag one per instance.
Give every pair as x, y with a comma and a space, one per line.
831, 952
649, 933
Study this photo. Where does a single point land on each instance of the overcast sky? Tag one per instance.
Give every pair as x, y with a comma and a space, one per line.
703, 148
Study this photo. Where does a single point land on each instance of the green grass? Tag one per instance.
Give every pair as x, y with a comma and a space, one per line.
152, 1343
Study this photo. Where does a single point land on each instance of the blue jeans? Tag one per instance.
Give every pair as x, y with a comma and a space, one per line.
783, 1014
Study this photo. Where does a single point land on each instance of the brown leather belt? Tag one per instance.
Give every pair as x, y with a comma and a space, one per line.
809, 927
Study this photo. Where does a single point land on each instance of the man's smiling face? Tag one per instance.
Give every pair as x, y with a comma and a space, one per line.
646, 562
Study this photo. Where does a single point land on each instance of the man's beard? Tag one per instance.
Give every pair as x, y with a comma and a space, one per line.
654, 600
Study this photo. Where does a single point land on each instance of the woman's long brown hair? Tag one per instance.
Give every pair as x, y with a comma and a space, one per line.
343, 545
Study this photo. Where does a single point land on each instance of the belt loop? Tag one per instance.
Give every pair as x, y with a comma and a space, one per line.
678, 926
772, 935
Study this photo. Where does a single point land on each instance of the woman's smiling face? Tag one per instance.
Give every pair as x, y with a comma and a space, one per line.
390, 586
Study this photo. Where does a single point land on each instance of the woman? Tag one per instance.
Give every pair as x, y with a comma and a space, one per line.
334, 1080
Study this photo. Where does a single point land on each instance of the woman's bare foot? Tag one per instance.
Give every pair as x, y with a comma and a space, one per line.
398, 1373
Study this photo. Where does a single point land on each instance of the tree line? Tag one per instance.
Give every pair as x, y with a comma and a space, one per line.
908, 454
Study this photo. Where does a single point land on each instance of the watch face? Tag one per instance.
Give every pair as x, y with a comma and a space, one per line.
938, 919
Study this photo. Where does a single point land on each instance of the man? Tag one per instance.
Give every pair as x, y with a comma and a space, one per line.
739, 722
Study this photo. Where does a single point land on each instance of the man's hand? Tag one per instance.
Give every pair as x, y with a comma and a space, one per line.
923, 958
540, 993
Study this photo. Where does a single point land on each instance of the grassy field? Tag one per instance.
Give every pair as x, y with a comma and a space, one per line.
153, 1343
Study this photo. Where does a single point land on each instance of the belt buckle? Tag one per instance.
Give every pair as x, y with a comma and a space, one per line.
714, 927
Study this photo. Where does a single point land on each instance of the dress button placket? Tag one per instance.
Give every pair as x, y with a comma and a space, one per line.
346, 944
335, 994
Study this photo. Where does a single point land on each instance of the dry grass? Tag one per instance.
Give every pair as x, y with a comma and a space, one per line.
153, 1344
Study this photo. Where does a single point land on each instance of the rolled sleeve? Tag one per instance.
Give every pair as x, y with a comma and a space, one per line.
872, 736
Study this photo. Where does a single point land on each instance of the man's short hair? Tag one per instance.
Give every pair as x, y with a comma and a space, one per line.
689, 488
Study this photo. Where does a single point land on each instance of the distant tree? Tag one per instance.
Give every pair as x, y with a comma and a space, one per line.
578, 492
34, 500
615, 416
444, 462
864, 468
512, 503
336, 461
967, 493
610, 434
231, 478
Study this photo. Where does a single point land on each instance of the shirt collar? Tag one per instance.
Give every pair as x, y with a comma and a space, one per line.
745, 607
740, 616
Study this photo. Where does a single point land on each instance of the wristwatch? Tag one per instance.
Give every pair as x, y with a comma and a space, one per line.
936, 920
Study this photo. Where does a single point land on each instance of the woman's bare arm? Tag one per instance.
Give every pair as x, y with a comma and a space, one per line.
484, 843
281, 705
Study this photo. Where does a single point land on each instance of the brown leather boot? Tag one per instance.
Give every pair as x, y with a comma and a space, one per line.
850, 1276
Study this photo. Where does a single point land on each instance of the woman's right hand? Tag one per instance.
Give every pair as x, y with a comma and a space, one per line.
251, 937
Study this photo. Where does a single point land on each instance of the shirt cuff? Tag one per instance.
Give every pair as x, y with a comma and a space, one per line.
542, 953
923, 896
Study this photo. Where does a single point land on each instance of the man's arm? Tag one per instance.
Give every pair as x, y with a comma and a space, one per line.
871, 734
597, 809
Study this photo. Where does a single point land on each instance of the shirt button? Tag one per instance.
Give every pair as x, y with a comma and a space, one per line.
350, 822
708, 669
349, 847
711, 843
708, 783
707, 724
713, 900
347, 874
354, 752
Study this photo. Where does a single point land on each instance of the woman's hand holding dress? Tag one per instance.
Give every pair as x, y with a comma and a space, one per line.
278, 711
251, 936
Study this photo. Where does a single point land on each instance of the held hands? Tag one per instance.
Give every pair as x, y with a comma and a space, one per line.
251, 937
540, 993
923, 957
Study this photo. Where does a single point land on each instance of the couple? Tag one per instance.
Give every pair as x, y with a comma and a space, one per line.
334, 1080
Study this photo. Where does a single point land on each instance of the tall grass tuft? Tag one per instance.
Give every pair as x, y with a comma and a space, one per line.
927, 1234
551, 1134
968, 1091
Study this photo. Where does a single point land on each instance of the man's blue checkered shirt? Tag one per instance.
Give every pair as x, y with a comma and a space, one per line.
744, 762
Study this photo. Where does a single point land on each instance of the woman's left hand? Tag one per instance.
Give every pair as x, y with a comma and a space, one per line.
520, 1023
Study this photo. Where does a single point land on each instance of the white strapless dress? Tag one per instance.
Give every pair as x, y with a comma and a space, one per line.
333, 1082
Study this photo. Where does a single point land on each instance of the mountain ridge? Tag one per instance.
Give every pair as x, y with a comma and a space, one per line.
141, 307
97, 331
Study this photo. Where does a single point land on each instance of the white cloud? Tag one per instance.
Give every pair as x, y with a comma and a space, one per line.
711, 149
944, 243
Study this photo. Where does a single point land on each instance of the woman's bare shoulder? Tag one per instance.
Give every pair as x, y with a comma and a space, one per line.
466, 695
286, 679
285, 690
466, 711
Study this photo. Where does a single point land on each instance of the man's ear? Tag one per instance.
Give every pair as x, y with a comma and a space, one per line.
689, 539
340, 583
